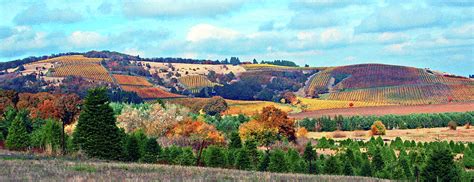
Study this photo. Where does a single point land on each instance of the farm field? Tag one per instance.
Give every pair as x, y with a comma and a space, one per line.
150, 92
195, 82
422, 134
132, 80
90, 71
384, 110
318, 104
32, 169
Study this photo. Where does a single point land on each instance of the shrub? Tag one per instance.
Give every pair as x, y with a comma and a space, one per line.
452, 125
133, 150
277, 161
215, 105
151, 151
378, 128
467, 126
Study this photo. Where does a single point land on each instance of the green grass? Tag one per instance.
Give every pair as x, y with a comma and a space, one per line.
83, 168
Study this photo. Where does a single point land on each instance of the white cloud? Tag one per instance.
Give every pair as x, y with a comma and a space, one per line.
331, 35
86, 39
465, 31
390, 37
134, 52
205, 31
182, 8
39, 13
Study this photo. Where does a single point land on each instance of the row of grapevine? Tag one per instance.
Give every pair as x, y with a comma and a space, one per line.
150, 92
195, 82
319, 82
90, 71
409, 95
74, 59
132, 80
437, 78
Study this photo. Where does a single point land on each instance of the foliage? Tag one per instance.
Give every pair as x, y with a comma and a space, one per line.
96, 132
235, 141
18, 137
151, 151
440, 167
48, 135
277, 161
378, 128
196, 131
132, 148
214, 156
215, 105
452, 125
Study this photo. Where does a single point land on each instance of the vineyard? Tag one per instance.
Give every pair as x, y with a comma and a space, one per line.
132, 80
270, 67
409, 95
308, 104
318, 83
90, 71
150, 92
195, 82
75, 59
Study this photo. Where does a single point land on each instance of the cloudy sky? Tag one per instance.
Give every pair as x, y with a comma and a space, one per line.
437, 34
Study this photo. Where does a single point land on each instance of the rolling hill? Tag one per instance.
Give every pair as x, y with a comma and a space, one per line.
317, 87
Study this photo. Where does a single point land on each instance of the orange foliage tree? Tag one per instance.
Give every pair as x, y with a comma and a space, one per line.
269, 121
378, 128
198, 131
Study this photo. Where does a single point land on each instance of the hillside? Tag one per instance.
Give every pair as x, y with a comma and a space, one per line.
163, 78
389, 84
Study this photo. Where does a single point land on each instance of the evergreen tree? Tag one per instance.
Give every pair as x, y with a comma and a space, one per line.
251, 147
214, 157
366, 169
235, 141
332, 166
277, 161
133, 150
377, 161
310, 156
96, 132
348, 169
440, 167
186, 158
151, 151
230, 157
18, 137
142, 140
264, 162
293, 159
243, 161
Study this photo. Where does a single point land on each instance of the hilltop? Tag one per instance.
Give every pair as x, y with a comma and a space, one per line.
302, 88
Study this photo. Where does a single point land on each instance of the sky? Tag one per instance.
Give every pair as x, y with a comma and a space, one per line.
437, 34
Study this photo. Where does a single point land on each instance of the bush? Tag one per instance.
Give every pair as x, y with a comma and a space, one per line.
151, 151
215, 105
452, 125
378, 128
48, 135
467, 126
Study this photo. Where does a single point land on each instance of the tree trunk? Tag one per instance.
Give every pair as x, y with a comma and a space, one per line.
201, 147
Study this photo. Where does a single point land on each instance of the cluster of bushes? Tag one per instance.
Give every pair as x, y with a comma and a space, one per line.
411, 121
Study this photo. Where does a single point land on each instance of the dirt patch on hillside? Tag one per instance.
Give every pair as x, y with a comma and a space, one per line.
383, 110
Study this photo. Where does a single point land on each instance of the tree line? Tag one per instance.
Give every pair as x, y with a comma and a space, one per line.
411, 121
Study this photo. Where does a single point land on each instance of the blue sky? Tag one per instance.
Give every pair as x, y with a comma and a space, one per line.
434, 34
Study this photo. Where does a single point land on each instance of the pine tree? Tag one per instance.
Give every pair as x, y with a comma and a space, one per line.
293, 159
348, 169
133, 150
366, 168
377, 161
310, 156
243, 161
186, 158
235, 141
214, 157
251, 147
151, 151
440, 167
277, 161
18, 137
264, 162
332, 166
96, 132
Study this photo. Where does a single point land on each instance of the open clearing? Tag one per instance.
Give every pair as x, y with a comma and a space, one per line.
422, 134
384, 110
24, 167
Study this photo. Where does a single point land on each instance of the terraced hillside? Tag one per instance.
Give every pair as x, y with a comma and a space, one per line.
390, 84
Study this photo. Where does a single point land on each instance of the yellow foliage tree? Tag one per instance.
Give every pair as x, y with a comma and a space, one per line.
378, 128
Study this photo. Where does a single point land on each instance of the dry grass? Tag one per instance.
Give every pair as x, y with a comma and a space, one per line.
19, 168
318, 104
253, 107
338, 134
422, 134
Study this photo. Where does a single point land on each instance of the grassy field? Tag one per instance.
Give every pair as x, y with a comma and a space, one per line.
23, 167
422, 134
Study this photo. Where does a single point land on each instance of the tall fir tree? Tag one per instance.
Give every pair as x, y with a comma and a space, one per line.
133, 150
151, 151
277, 161
97, 133
18, 137
310, 156
264, 162
235, 141
440, 166
332, 166
377, 160
366, 169
242, 160
214, 156
348, 170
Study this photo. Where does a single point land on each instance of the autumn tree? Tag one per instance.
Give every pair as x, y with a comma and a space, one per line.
378, 128
96, 132
215, 105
